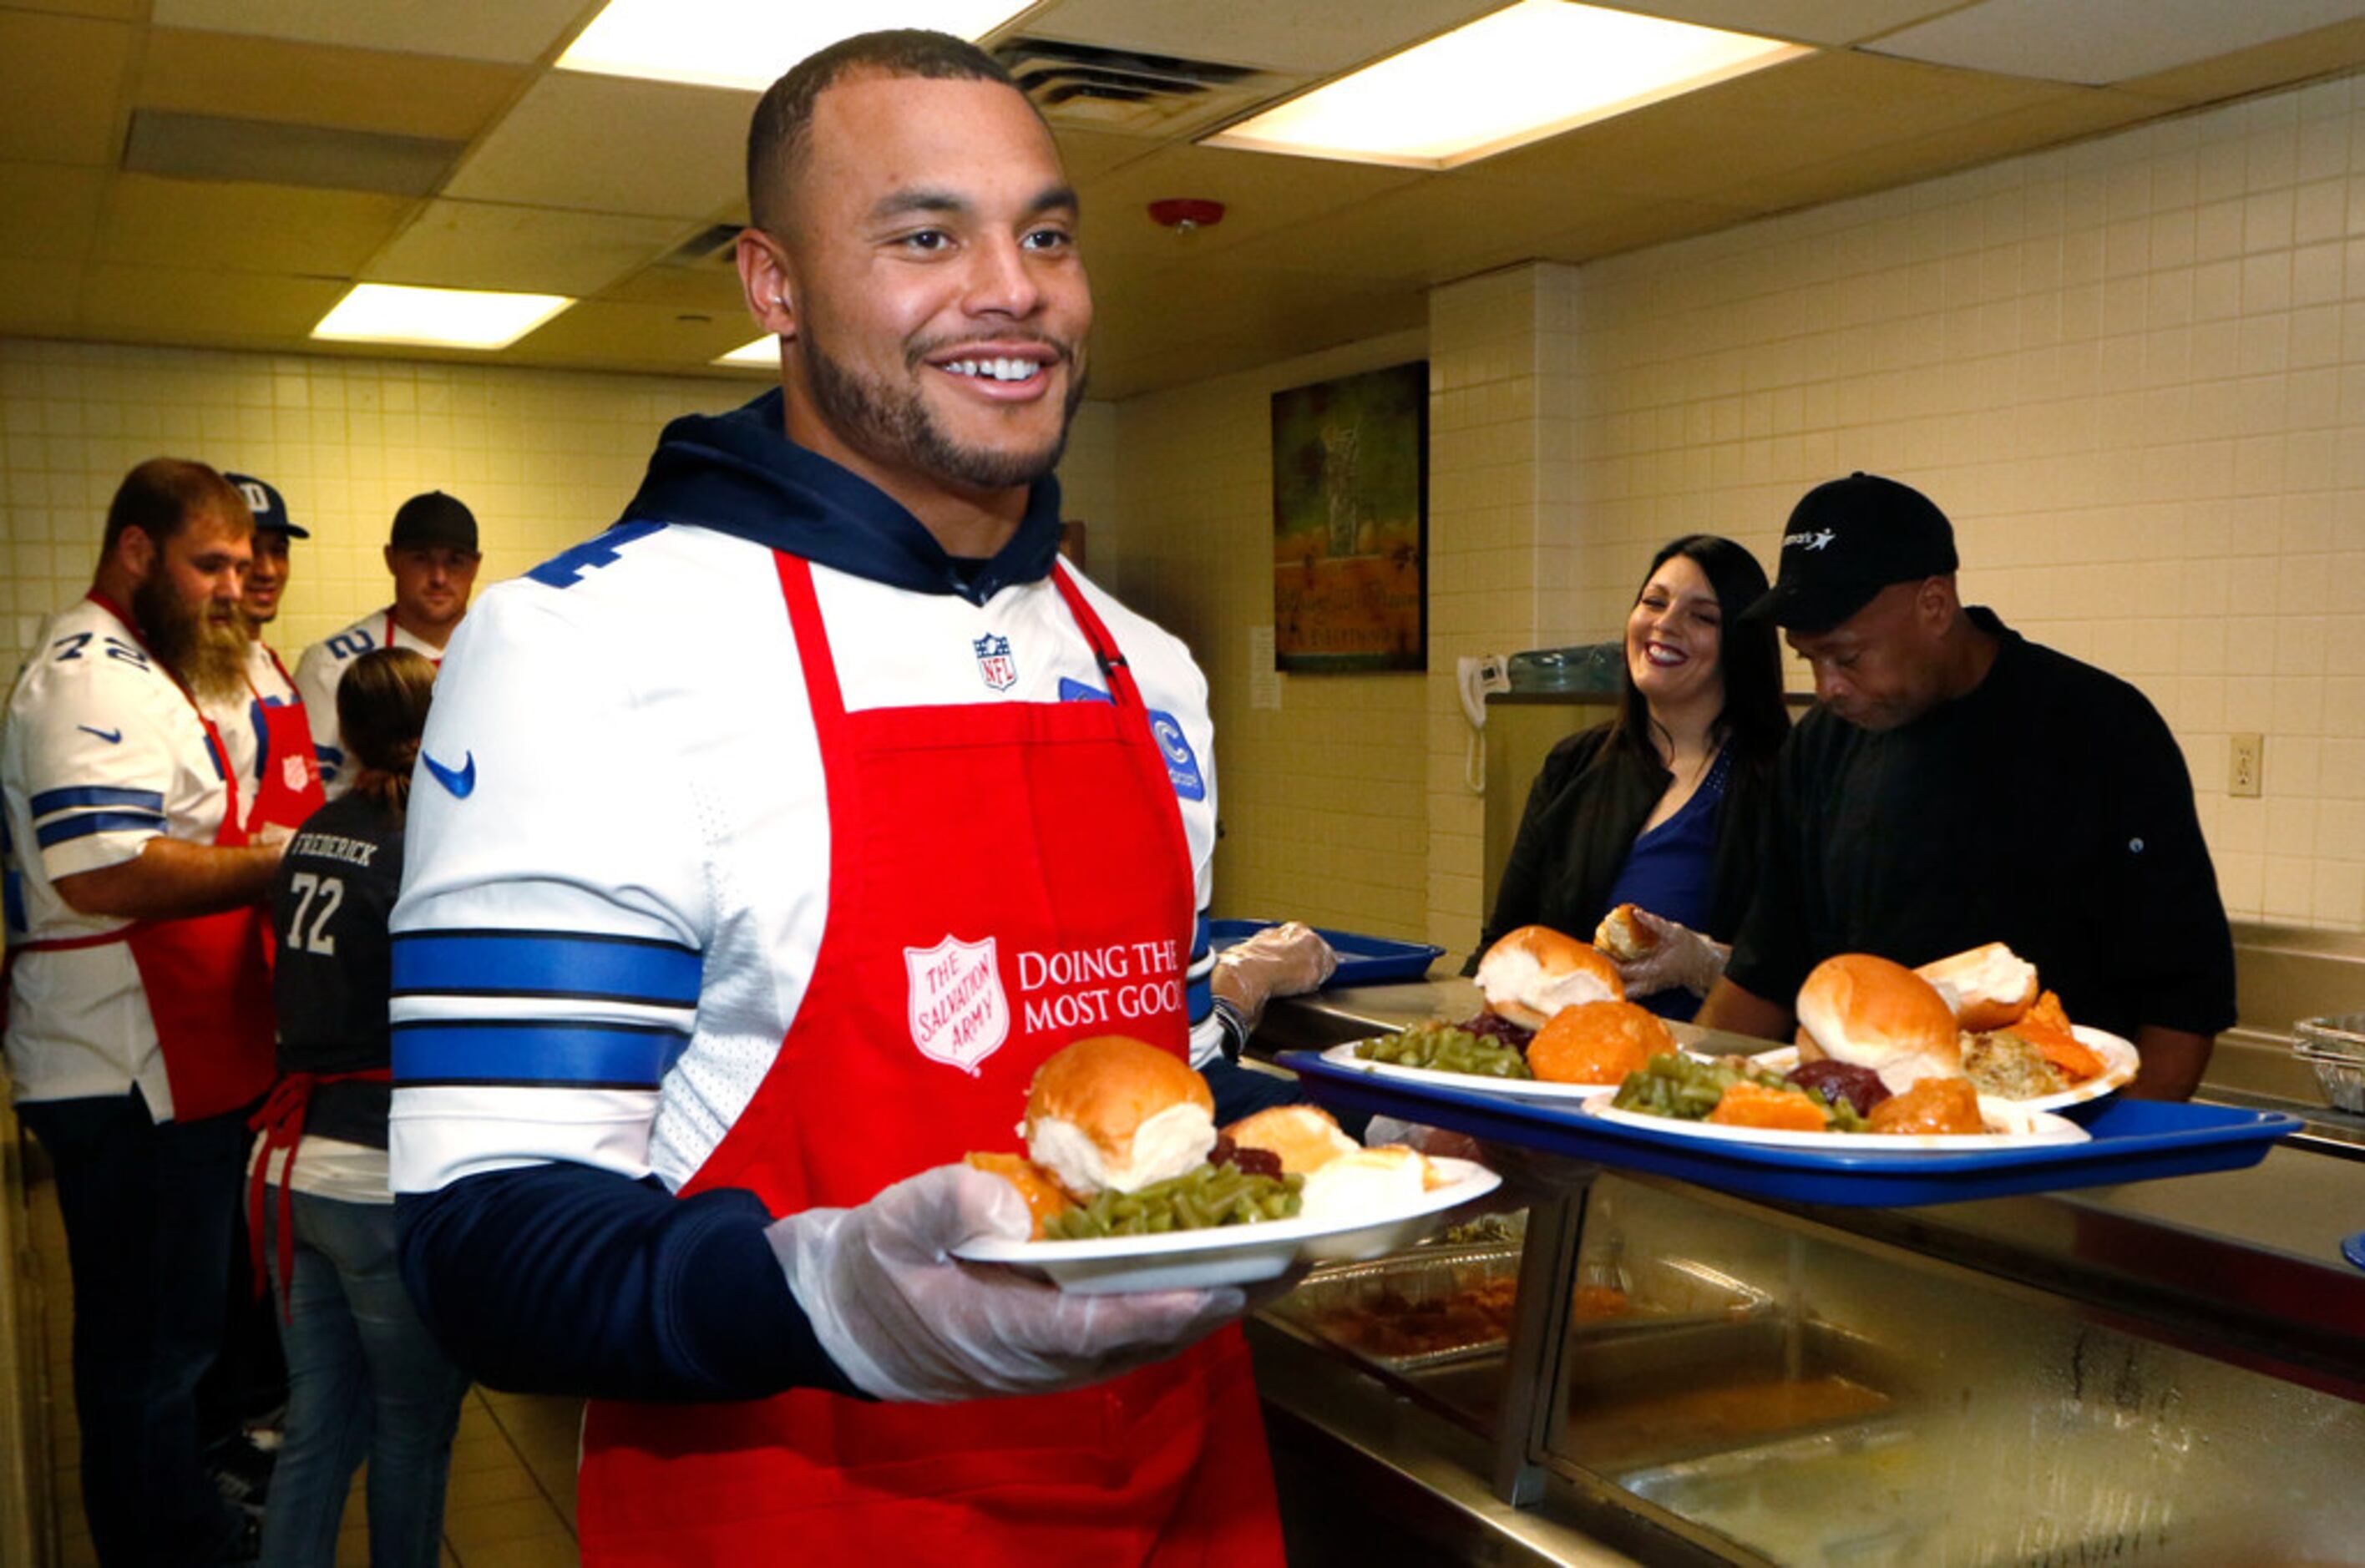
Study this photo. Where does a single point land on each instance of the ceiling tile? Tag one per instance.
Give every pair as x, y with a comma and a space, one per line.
62, 82
711, 290
518, 31
532, 250
54, 210
609, 144
259, 78
2323, 52
1089, 152
105, 10
2100, 42
2080, 113
1803, 112
213, 147
37, 298
248, 229
135, 303
1260, 191
1802, 21
630, 337
1306, 39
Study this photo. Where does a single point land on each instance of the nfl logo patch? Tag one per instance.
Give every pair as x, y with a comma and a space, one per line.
994, 663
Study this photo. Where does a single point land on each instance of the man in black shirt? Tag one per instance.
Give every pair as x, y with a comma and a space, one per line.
1960, 785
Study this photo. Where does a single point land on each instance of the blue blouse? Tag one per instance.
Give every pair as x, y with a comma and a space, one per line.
1670, 871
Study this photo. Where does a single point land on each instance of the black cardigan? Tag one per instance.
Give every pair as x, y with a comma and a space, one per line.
1586, 808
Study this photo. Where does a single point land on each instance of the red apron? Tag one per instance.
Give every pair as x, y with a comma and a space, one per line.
208, 977
970, 842
290, 788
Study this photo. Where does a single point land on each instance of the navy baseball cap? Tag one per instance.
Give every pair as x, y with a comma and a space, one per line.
434, 519
1847, 540
263, 501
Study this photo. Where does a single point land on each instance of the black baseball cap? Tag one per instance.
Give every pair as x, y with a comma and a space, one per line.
1847, 540
431, 520
263, 501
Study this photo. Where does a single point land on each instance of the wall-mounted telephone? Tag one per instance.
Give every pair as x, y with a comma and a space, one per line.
1474, 677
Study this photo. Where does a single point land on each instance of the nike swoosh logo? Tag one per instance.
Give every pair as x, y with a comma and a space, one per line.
111, 737
460, 781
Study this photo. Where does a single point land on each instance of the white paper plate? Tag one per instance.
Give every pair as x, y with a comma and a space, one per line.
1234, 1254
2019, 1127
1475, 1083
2119, 1064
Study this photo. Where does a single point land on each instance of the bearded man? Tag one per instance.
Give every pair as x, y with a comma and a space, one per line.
139, 1023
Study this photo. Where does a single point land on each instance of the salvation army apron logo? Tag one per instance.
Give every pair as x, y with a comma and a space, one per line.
958, 1012
994, 663
295, 773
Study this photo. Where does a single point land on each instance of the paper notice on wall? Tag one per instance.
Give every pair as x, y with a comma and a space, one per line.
1265, 681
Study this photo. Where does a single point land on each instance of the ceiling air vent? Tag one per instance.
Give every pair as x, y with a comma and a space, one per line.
209, 147
1092, 88
710, 247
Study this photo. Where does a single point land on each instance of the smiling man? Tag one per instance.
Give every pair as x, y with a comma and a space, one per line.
268, 736
140, 1021
433, 556
1958, 785
775, 837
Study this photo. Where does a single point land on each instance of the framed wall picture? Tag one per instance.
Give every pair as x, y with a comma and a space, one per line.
1351, 523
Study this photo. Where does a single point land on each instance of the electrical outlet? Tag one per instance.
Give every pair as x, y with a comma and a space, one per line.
2245, 766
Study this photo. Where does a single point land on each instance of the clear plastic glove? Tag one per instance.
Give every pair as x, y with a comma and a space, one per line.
906, 1321
1682, 956
1288, 959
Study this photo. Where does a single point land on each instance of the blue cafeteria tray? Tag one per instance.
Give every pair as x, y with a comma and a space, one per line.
1362, 960
2133, 1140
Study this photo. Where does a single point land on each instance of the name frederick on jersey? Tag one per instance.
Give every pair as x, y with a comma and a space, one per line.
333, 846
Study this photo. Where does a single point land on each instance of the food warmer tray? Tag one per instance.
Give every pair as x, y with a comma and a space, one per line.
1665, 1294
1362, 960
2131, 1140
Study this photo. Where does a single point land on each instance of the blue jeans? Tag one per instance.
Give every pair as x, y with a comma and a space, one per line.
148, 1211
366, 1381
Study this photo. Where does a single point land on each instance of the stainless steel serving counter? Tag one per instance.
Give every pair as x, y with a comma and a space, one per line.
2241, 1270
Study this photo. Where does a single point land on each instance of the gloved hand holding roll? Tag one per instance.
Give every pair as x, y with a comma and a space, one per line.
1654, 955
1288, 959
906, 1321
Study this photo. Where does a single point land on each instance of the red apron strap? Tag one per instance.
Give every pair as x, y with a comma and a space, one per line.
822, 690
280, 1120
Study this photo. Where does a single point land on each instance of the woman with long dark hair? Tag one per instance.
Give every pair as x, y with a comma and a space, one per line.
367, 1380
1663, 807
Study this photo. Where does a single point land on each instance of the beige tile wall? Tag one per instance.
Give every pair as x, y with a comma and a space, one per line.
542, 458
2133, 371
1323, 802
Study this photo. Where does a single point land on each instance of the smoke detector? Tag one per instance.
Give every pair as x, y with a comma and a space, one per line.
1185, 214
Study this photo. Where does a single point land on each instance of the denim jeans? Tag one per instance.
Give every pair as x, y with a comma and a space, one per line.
147, 1210
366, 1381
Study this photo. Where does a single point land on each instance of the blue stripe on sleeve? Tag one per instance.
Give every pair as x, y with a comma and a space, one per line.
49, 800
545, 963
83, 826
576, 1056
1199, 999
1199, 939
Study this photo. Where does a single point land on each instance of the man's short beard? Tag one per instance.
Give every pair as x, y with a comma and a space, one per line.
208, 656
894, 425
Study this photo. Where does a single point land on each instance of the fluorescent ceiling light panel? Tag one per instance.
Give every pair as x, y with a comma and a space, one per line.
1526, 72
748, 43
436, 318
765, 350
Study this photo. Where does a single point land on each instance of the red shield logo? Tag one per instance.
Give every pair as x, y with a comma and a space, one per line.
958, 1012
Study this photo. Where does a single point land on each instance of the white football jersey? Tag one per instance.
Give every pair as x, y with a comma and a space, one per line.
102, 752
323, 666
620, 843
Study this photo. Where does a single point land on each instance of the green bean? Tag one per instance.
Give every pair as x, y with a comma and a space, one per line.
1444, 1049
1200, 1199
